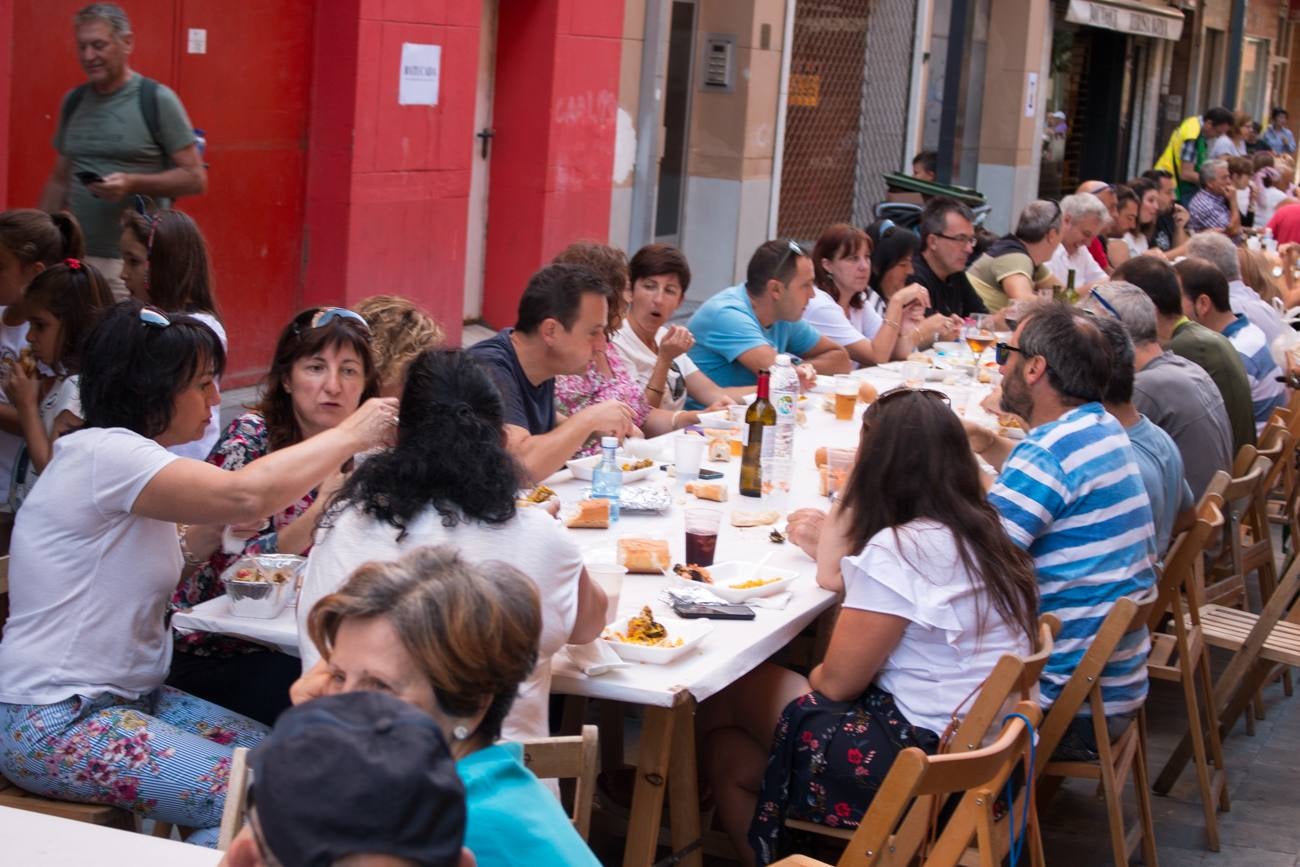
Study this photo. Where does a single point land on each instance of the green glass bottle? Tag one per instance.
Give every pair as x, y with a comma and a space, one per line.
761, 420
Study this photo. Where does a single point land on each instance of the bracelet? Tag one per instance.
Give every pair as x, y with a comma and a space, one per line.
897, 327
658, 391
186, 554
673, 423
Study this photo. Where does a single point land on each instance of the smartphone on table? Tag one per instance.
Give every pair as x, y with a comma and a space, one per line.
693, 611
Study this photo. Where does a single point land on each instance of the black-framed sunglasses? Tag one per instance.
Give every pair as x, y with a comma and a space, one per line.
1002, 351
1110, 308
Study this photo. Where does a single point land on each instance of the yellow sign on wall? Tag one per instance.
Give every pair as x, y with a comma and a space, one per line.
805, 90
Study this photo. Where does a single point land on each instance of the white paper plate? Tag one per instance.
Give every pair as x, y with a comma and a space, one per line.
692, 632
738, 572
583, 467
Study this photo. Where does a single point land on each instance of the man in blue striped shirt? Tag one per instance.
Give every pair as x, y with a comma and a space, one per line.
1072, 495
1206, 300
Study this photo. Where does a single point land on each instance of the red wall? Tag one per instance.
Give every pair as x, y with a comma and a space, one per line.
388, 184
248, 92
6, 78
554, 111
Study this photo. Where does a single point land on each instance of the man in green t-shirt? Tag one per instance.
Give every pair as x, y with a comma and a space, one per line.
106, 150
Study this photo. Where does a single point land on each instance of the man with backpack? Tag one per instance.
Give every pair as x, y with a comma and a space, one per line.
119, 135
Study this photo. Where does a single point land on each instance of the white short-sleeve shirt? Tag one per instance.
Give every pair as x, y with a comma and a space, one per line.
826, 315
641, 361
88, 580
914, 572
533, 542
1086, 269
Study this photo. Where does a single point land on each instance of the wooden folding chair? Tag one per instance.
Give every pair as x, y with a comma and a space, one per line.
1248, 541
1011, 675
1119, 758
981, 774
20, 799
565, 758
1260, 643
232, 814
1181, 655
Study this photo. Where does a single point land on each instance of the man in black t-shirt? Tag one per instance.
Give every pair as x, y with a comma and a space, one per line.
947, 238
1170, 231
562, 319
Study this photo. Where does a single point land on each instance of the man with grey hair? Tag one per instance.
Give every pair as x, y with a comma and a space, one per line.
1083, 218
1214, 207
1174, 393
118, 135
1222, 253
1013, 268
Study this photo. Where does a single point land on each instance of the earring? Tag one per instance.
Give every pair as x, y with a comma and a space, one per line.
460, 733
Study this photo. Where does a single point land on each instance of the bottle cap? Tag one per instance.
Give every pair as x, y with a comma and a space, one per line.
782, 359
609, 442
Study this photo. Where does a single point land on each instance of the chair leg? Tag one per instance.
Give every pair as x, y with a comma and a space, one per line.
1202, 760
1142, 792
1211, 723
1113, 794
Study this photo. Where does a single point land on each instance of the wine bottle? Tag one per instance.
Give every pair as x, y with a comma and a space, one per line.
761, 421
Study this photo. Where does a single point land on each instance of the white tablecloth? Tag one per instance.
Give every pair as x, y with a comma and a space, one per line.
28, 838
733, 648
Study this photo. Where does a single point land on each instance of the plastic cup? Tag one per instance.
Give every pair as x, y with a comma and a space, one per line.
846, 396
913, 374
702, 535
839, 465
777, 473
688, 454
609, 576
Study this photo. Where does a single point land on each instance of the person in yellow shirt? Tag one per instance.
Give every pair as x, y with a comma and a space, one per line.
1189, 146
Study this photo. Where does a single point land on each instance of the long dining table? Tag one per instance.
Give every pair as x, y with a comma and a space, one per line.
669, 694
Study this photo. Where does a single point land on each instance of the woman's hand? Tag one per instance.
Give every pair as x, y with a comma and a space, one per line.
677, 340
22, 389
804, 528
1181, 216
374, 424
807, 376
721, 403
314, 683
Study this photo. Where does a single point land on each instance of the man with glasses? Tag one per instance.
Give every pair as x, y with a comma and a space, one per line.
1071, 494
741, 330
361, 778
947, 239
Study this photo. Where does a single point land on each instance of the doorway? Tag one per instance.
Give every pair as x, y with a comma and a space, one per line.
677, 117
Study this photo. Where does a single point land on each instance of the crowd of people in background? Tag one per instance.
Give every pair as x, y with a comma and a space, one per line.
1147, 332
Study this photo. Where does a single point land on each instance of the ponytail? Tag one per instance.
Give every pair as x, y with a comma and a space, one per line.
35, 236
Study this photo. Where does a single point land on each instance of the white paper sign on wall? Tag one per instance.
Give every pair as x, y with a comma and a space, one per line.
1031, 94
197, 43
421, 66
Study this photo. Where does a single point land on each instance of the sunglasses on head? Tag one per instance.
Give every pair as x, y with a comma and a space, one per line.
791, 249
326, 315
154, 317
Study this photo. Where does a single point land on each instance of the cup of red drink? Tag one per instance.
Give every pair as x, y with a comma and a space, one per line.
702, 535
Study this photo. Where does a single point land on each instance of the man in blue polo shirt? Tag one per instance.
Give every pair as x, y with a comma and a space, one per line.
740, 331
1072, 495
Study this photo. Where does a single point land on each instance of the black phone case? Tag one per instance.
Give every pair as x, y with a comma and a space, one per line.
693, 611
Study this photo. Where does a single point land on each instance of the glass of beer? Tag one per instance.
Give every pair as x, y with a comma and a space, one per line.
846, 396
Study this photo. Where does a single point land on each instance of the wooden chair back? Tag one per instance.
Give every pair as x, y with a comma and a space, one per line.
980, 774
1177, 588
232, 814
569, 758
1125, 615
1245, 507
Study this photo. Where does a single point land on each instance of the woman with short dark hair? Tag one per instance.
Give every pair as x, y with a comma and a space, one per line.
94, 560
457, 640
450, 480
321, 371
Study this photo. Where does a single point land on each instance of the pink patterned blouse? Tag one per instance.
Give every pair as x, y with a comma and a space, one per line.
574, 393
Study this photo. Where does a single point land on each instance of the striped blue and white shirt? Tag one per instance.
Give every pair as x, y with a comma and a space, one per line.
1266, 393
1071, 494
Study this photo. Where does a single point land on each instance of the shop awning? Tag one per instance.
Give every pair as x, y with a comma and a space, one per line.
1128, 16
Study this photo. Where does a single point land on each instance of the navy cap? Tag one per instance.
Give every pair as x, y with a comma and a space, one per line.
360, 772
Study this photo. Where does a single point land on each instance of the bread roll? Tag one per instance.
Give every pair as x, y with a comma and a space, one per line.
715, 491
644, 556
867, 393
591, 515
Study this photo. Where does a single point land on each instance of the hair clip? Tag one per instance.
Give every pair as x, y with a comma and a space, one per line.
74, 264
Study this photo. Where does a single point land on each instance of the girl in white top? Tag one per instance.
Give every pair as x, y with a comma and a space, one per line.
30, 241
654, 350
95, 558
839, 308
450, 481
165, 263
934, 594
61, 306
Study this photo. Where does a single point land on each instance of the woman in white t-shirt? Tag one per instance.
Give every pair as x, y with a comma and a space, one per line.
655, 351
840, 309
934, 594
165, 263
94, 559
450, 481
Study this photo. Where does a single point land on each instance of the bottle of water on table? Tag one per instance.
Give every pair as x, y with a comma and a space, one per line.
607, 478
785, 397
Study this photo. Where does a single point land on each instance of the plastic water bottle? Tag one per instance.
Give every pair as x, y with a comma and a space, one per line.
607, 478
785, 397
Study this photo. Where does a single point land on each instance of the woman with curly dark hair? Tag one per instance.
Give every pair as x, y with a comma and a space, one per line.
450, 480
321, 372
